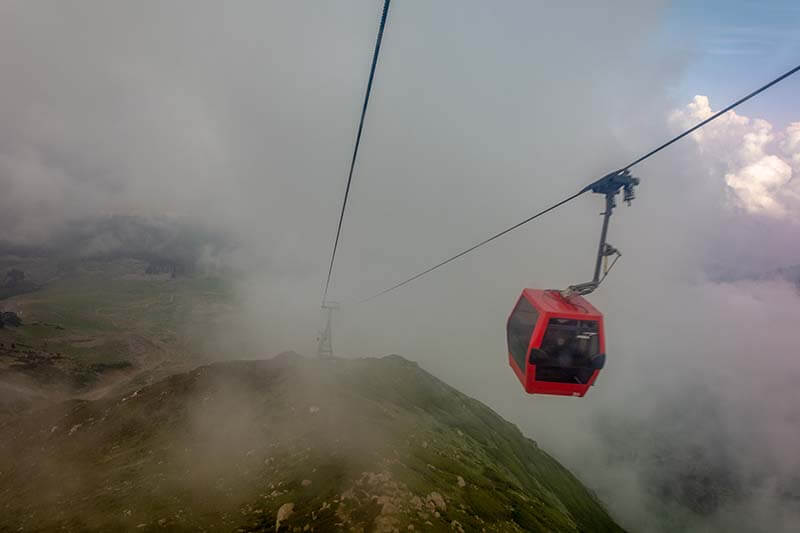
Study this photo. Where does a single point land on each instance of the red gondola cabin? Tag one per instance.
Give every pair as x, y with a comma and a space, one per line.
555, 345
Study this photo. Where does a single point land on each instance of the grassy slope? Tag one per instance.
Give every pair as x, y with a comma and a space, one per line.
90, 328
88, 307
373, 444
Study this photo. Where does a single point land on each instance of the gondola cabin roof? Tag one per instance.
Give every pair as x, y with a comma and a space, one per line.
551, 302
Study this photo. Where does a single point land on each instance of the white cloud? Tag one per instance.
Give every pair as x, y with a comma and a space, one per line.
758, 164
790, 144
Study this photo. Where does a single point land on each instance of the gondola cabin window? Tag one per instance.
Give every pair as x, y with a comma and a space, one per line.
520, 329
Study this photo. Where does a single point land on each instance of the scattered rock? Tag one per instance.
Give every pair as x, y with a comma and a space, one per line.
75, 428
313, 409
284, 512
461, 482
436, 500
306, 483
455, 526
9, 318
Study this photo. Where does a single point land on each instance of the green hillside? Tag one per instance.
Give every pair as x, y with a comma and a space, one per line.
355, 445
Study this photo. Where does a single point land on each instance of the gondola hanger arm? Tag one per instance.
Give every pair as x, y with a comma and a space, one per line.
609, 186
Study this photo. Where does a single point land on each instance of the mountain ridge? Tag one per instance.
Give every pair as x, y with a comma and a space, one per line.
374, 444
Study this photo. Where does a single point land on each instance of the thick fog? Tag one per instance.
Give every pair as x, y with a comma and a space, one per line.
241, 117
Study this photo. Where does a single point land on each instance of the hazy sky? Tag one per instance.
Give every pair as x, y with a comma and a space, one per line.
243, 115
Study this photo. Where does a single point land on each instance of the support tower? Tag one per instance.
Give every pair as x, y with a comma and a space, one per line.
324, 343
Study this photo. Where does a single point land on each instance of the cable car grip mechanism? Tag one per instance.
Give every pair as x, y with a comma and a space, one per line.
609, 186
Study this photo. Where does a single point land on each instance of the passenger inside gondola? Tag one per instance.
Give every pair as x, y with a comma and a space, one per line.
568, 351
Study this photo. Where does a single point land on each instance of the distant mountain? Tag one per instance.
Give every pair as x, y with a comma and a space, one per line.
166, 245
287, 444
791, 273
788, 273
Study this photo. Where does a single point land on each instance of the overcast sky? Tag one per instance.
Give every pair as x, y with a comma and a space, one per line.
243, 115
